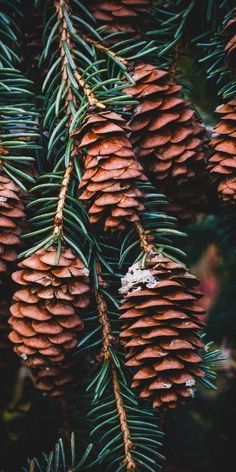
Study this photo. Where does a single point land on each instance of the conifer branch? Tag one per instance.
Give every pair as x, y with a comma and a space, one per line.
65, 37
106, 349
58, 220
128, 445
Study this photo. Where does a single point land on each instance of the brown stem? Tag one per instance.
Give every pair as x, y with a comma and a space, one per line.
58, 220
65, 36
128, 445
107, 340
104, 49
146, 240
103, 317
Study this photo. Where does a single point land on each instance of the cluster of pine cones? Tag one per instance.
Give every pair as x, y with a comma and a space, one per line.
164, 142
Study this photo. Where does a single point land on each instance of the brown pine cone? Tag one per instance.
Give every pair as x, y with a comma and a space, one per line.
110, 168
188, 200
164, 129
119, 15
45, 318
6, 352
161, 330
230, 48
11, 220
56, 380
222, 162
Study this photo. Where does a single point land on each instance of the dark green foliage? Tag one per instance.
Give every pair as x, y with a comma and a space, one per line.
42, 102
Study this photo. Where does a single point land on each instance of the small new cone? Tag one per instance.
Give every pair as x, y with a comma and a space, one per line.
161, 330
223, 163
230, 48
110, 168
45, 319
6, 351
164, 130
119, 15
11, 221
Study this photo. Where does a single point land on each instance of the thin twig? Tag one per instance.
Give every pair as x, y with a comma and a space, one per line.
146, 239
128, 445
104, 49
107, 341
65, 36
58, 220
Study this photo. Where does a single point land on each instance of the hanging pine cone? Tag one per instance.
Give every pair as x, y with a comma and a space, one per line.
6, 352
188, 200
222, 162
164, 129
44, 316
161, 330
11, 220
110, 168
57, 380
119, 15
230, 30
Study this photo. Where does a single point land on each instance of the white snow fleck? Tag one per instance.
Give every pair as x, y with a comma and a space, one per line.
167, 385
191, 391
190, 383
3, 199
135, 276
23, 356
85, 271
206, 348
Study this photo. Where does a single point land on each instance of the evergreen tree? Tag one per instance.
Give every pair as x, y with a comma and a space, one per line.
109, 147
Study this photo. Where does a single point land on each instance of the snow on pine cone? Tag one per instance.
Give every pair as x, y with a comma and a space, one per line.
110, 169
45, 318
11, 220
230, 48
161, 329
164, 129
6, 352
223, 163
119, 15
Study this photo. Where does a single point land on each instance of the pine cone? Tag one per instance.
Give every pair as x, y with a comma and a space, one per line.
161, 330
222, 162
164, 129
56, 380
44, 316
119, 15
188, 200
11, 220
6, 352
110, 167
230, 48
